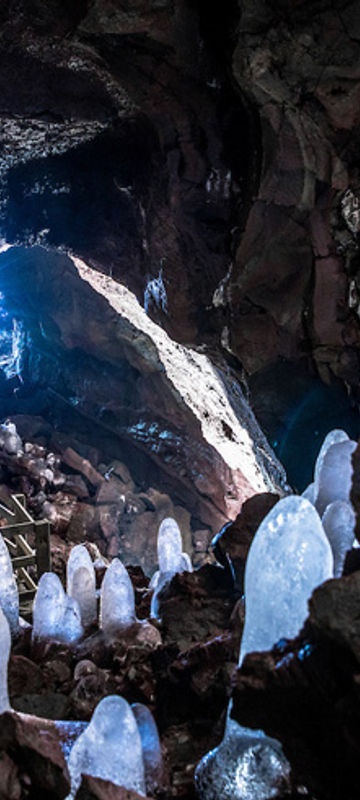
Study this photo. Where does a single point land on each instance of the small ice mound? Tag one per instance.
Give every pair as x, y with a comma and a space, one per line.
151, 747
339, 525
110, 748
9, 439
79, 557
9, 595
82, 588
245, 766
169, 546
309, 493
48, 609
333, 437
117, 600
56, 617
289, 556
5, 645
335, 475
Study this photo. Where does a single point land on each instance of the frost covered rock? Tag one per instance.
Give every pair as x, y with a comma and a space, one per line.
151, 747
117, 599
9, 439
110, 748
289, 556
9, 595
81, 583
335, 475
245, 766
5, 645
339, 525
56, 617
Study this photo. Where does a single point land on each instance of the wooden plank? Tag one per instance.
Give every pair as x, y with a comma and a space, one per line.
23, 561
21, 542
24, 576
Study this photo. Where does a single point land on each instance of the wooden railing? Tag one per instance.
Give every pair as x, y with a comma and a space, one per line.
17, 526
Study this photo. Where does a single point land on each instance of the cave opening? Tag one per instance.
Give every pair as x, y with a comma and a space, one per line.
83, 366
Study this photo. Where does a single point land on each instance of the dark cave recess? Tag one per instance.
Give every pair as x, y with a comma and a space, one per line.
296, 410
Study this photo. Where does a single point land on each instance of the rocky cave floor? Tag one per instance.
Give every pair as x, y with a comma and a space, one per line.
304, 692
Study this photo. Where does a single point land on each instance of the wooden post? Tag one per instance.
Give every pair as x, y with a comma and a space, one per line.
42, 547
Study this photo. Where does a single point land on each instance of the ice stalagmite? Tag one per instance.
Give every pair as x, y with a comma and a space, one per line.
5, 644
335, 476
289, 556
171, 559
110, 748
151, 747
49, 608
9, 596
56, 617
169, 546
333, 437
117, 599
339, 525
81, 583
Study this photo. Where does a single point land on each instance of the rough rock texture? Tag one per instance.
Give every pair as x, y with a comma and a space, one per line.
305, 693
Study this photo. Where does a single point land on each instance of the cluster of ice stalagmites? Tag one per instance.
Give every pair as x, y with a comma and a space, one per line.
56, 616
300, 543
110, 748
171, 559
121, 744
330, 494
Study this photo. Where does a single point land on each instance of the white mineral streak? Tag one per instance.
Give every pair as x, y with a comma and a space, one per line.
5, 644
289, 556
192, 377
117, 600
9, 596
339, 525
110, 748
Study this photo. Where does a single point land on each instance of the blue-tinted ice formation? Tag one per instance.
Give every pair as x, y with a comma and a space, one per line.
151, 747
5, 644
56, 617
9, 596
171, 559
289, 556
81, 583
339, 525
110, 748
117, 600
